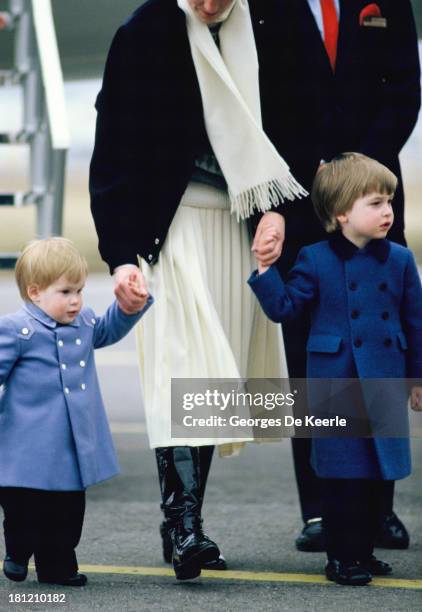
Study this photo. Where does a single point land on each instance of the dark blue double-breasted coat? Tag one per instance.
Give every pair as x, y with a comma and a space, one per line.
366, 311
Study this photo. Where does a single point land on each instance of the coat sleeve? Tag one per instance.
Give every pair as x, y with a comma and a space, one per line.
398, 113
124, 139
411, 314
285, 301
9, 348
115, 324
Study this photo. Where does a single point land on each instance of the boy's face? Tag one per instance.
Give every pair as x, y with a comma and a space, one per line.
62, 300
371, 216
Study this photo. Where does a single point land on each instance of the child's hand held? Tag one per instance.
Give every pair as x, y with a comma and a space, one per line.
130, 290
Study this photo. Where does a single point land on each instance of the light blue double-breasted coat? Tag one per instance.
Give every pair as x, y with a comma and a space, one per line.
366, 322
54, 433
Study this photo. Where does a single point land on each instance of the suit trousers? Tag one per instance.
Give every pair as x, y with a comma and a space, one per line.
46, 524
350, 511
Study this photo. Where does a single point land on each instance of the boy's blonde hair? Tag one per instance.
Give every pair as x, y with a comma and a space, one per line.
348, 177
42, 262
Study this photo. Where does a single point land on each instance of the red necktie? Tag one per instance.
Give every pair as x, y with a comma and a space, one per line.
330, 21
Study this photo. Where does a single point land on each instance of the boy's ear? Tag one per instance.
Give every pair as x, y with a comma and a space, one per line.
33, 292
342, 219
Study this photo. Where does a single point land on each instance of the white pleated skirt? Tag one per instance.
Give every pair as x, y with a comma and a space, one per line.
205, 322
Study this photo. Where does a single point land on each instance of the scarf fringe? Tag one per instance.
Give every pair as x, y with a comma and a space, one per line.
265, 196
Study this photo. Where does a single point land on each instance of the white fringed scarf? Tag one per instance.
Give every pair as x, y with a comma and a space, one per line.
258, 178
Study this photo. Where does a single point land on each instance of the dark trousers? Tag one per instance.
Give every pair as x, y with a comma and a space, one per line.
46, 524
350, 511
308, 484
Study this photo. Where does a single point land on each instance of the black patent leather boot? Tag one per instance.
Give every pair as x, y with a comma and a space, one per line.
205, 457
165, 529
191, 550
180, 483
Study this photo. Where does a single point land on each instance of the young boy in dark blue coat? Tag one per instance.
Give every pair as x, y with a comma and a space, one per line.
365, 298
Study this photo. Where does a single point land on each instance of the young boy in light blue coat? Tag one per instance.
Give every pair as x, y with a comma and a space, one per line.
365, 298
54, 435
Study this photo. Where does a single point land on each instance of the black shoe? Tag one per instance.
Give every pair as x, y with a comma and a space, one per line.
392, 534
77, 580
376, 567
15, 570
216, 564
190, 551
349, 574
312, 538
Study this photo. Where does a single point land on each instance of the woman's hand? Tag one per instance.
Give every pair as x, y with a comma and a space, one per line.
130, 289
416, 399
269, 237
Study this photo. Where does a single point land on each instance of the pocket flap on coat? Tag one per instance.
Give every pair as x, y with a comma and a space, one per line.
402, 341
324, 344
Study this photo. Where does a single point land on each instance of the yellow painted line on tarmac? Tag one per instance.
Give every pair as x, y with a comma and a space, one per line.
393, 583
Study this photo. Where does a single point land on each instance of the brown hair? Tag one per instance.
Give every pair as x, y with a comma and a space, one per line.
42, 262
339, 183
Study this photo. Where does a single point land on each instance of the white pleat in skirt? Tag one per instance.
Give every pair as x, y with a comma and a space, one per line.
205, 322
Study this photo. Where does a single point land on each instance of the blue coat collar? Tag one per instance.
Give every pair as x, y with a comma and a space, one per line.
380, 248
44, 318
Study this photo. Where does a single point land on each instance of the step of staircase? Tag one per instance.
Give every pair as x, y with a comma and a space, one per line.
18, 198
8, 260
13, 138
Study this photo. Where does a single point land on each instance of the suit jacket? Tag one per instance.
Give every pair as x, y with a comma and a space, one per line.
369, 105
366, 322
54, 433
150, 125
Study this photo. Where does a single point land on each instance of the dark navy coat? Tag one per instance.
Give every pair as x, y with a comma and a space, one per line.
150, 126
54, 433
366, 321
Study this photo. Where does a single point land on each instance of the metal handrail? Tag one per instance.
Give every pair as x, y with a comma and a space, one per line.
45, 123
51, 72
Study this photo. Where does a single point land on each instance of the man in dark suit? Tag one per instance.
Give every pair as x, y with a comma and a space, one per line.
357, 70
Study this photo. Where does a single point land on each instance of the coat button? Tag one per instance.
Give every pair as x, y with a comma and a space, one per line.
388, 342
93, 321
78, 341
82, 364
358, 343
157, 241
382, 286
83, 386
149, 257
60, 342
64, 366
25, 331
261, 22
385, 315
352, 286
355, 314
67, 390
